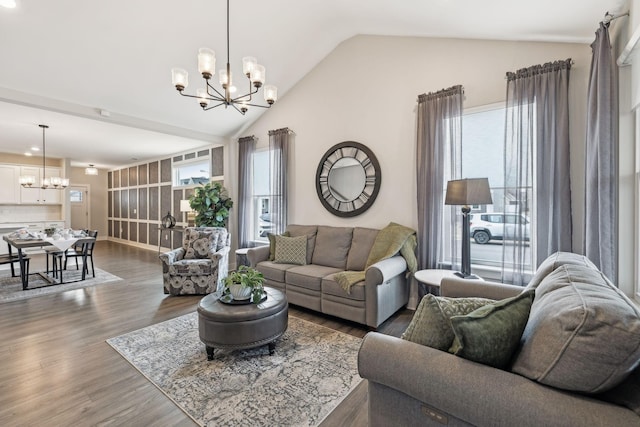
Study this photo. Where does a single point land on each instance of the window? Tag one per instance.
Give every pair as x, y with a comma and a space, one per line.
191, 173
262, 224
483, 133
75, 196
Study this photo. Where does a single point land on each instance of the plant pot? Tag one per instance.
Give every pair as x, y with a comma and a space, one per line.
240, 292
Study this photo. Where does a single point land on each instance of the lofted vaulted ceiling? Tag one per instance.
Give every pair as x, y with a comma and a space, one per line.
98, 73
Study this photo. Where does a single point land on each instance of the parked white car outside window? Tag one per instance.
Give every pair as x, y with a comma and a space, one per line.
498, 226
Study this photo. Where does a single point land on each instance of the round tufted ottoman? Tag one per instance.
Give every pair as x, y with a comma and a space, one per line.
242, 326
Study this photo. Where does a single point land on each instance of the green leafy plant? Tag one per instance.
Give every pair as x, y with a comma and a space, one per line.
246, 277
211, 202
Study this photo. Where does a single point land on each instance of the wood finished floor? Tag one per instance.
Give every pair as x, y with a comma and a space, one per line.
57, 370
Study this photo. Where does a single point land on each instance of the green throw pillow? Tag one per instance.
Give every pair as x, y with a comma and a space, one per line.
291, 250
491, 334
272, 244
430, 324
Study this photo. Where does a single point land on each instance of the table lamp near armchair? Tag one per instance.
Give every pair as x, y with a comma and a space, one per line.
466, 192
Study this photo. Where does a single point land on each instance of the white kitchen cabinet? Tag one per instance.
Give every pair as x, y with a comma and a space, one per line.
37, 195
10, 188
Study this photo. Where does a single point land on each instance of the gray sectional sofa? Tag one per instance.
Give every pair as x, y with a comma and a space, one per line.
581, 340
331, 250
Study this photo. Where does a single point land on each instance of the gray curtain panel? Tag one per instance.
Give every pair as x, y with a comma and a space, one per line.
439, 142
278, 166
536, 168
601, 168
246, 148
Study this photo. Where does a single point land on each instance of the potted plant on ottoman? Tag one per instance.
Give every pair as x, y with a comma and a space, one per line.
245, 283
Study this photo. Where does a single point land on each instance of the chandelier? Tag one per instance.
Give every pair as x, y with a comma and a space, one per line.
254, 72
53, 182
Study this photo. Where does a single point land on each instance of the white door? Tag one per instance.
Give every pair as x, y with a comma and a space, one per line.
79, 202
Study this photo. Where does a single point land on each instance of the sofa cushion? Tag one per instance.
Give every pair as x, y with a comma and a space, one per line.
583, 334
197, 244
272, 244
272, 271
430, 324
491, 334
361, 244
626, 393
291, 250
308, 276
305, 230
331, 287
332, 246
554, 261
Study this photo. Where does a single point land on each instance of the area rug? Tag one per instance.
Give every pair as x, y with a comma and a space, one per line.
11, 287
312, 370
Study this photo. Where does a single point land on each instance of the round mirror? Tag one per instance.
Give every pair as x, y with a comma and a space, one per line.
348, 179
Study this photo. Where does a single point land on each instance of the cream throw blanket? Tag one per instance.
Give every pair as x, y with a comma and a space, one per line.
390, 240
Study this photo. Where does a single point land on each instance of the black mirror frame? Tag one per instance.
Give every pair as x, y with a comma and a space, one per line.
372, 176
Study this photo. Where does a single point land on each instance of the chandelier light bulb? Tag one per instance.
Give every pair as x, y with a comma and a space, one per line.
270, 94
225, 80
206, 62
9, 4
179, 78
203, 97
258, 75
248, 63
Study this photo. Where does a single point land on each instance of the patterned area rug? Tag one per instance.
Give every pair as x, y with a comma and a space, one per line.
312, 370
11, 287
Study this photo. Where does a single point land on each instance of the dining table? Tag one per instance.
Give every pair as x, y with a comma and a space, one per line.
61, 243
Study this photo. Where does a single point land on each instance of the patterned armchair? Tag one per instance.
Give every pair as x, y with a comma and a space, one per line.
200, 265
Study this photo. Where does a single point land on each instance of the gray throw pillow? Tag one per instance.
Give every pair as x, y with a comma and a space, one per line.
491, 334
291, 250
430, 325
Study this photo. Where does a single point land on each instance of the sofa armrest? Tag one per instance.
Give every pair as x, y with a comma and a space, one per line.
475, 393
384, 270
172, 256
257, 254
457, 287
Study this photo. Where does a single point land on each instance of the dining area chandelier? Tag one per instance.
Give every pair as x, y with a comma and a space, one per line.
209, 97
51, 182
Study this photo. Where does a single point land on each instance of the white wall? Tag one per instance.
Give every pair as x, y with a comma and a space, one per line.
366, 91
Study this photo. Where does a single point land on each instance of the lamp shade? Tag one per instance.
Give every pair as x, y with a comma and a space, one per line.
470, 191
185, 206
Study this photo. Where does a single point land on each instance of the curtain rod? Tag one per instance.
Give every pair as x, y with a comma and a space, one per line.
608, 17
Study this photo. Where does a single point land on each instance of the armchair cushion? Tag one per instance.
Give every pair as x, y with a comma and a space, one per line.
191, 267
431, 324
198, 244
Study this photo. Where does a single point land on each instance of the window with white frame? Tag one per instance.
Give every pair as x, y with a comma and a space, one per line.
261, 214
483, 155
191, 173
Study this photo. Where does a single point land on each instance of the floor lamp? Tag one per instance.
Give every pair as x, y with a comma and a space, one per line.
466, 192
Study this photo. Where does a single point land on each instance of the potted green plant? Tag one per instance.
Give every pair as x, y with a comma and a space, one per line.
211, 203
245, 283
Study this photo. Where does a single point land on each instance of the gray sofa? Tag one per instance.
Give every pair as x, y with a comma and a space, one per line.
582, 331
331, 250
